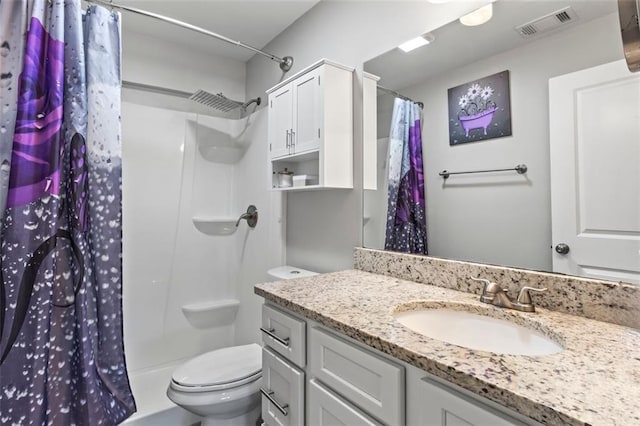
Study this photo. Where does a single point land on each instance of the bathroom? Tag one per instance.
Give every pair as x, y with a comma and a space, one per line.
205, 171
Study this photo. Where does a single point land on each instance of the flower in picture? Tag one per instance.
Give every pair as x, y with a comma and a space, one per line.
486, 92
464, 101
474, 91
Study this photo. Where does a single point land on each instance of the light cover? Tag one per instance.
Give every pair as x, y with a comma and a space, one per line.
478, 16
414, 43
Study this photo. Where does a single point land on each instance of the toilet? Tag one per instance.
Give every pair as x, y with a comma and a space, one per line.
223, 386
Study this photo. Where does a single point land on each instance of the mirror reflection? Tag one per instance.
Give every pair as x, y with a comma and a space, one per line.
573, 112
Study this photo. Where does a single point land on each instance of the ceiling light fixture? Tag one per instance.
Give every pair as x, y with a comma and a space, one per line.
478, 16
414, 43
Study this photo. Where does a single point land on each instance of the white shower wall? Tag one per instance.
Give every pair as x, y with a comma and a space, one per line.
203, 267
167, 262
178, 166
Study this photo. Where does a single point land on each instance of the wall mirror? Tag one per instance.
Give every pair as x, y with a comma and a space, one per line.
575, 124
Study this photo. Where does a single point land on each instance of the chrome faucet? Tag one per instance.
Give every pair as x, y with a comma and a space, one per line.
495, 295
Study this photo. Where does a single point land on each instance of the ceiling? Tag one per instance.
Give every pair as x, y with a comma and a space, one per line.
253, 22
456, 45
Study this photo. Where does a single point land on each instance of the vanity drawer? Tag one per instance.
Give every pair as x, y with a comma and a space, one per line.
328, 409
282, 391
369, 381
444, 406
284, 334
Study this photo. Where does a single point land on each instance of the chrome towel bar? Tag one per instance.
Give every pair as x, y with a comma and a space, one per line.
520, 168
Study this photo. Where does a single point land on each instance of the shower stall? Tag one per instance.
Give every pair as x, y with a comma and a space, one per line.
192, 163
188, 270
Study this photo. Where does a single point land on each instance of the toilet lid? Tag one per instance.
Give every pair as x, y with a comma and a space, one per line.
220, 367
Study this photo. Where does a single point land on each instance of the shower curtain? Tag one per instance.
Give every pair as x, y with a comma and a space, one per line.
61, 348
13, 22
406, 222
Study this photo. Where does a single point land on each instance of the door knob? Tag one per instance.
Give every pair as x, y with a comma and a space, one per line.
562, 248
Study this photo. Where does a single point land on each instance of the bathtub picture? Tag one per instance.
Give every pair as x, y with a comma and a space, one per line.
480, 109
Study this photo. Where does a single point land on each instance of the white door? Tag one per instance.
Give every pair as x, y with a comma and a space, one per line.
595, 172
280, 121
306, 112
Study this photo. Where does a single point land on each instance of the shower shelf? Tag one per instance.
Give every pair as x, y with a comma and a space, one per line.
215, 225
300, 188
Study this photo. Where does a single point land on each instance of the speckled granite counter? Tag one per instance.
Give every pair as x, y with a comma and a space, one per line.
595, 380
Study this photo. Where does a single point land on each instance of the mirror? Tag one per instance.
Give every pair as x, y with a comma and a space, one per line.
503, 218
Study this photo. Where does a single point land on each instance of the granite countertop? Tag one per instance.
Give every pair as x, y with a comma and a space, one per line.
594, 381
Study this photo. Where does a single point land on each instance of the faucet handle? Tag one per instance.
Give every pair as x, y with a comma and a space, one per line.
490, 287
490, 290
524, 297
482, 280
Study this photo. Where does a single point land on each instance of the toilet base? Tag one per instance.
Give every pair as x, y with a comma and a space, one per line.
246, 419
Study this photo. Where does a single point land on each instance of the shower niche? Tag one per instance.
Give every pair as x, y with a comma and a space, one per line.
311, 128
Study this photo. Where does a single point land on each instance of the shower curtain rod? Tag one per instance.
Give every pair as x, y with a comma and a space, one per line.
406, 98
285, 63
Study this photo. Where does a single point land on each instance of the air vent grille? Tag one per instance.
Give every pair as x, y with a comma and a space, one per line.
563, 17
547, 23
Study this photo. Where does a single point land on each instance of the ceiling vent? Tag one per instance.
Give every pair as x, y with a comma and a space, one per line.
548, 22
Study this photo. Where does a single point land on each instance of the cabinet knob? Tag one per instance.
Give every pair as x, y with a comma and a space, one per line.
562, 248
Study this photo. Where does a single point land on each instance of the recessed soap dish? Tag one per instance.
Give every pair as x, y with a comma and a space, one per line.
213, 313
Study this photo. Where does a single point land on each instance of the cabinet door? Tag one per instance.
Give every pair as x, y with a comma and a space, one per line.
282, 391
280, 121
307, 114
446, 407
367, 380
328, 409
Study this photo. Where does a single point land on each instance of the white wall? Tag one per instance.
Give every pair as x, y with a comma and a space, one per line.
324, 226
146, 60
482, 218
261, 248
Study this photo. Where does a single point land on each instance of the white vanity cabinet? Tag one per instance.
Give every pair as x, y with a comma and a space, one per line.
282, 391
440, 404
310, 121
361, 377
339, 381
327, 408
283, 357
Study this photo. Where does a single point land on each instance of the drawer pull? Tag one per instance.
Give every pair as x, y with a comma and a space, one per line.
281, 408
270, 332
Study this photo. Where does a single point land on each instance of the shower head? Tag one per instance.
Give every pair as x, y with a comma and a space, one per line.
220, 101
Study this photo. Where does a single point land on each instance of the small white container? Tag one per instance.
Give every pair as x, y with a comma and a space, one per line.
304, 180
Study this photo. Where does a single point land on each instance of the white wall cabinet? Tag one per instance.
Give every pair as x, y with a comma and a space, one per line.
311, 126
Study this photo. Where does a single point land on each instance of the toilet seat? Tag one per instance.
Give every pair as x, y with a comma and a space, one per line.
221, 369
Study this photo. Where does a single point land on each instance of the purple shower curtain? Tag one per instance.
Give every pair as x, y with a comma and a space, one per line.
406, 222
61, 349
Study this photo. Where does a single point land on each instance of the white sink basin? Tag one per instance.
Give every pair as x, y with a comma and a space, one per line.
477, 332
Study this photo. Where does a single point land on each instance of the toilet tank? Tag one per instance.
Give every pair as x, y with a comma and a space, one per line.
288, 272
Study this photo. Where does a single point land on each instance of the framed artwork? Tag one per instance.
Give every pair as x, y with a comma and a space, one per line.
480, 109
